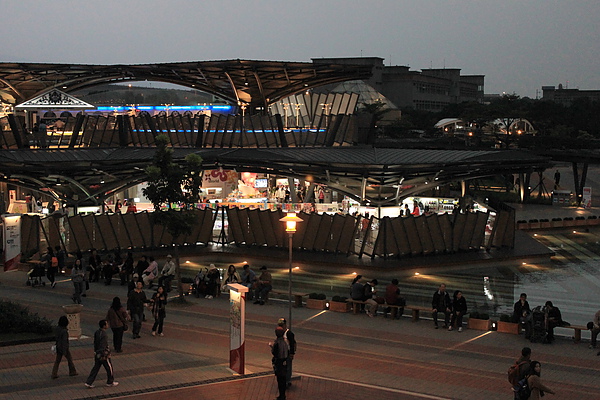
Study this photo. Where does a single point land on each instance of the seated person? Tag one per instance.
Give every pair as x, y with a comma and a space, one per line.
392, 297
459, 309
554, 318
213, 281
248, 280
167, 274
200, 282
594, 327
150, 273
356, 288
264, 286
441, 303
108, 270
370, 297
522, 314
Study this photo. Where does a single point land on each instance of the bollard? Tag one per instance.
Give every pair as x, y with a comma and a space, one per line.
73, 312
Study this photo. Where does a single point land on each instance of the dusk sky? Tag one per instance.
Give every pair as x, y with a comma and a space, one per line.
519, 46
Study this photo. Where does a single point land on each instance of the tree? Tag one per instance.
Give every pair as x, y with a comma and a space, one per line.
376, 111
171, 185
508, 110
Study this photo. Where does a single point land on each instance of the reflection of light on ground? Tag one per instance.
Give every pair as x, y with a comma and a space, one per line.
310, 318
466, 342
426, 277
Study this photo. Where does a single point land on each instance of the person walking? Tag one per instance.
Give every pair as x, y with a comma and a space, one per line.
135, 304
280, 352
101, 357
538, 389
94, 266
62, 348
521, 369
159, 304
290, 339
61, 257
78, 279
117, 320
51, 263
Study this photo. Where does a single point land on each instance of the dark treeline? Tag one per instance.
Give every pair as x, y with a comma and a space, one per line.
555, 125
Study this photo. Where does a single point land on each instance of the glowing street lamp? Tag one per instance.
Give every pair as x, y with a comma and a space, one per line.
290, 221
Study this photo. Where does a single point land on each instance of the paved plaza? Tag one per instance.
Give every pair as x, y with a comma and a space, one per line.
340, 356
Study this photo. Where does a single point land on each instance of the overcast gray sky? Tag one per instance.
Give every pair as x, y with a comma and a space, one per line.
519, 46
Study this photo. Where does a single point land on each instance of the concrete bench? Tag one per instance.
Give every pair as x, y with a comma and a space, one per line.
298, 297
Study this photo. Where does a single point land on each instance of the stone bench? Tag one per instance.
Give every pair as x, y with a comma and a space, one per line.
298, 297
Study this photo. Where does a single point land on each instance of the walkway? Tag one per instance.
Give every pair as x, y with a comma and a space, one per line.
340, 356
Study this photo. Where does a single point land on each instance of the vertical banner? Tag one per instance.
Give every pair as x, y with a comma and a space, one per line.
12, 241
586, 200
237, 318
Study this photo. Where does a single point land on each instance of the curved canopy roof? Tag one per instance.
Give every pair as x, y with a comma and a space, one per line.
252, 82
370, 175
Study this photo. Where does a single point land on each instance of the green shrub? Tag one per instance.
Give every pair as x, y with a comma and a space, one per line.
317, 296
339, 299
15, 318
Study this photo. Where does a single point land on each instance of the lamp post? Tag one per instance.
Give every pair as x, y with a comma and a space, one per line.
290, 227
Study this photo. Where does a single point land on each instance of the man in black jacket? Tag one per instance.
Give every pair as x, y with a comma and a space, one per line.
441, 303
290, 339
554, 319
101, 357
280, 352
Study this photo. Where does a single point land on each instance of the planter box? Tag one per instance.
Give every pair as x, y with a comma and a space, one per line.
545, 224
508, 327
534, 224
316, 304
593, 221
480, 324
339, 306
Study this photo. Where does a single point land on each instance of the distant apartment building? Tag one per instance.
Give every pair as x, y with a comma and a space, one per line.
567, 96
429, 89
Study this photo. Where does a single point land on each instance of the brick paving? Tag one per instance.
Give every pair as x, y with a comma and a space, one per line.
340, 356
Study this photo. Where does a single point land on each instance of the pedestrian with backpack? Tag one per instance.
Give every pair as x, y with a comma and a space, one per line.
518, 371
534, 382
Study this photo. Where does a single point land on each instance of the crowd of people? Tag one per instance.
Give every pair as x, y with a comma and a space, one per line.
208, 280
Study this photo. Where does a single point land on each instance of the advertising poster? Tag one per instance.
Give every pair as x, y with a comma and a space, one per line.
586, 200
237, 311
12, 241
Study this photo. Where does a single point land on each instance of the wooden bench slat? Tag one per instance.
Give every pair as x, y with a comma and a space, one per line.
577, 331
